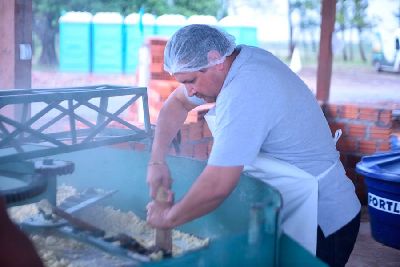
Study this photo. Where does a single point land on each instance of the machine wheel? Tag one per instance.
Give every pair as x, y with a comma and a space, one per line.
37, 182
35, 186
54, 167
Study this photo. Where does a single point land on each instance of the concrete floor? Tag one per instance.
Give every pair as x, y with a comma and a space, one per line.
369, 253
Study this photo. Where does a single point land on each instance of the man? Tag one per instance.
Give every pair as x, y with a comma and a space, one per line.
265, 122
16, 248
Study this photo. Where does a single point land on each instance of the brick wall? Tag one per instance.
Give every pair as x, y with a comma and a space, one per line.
367, 129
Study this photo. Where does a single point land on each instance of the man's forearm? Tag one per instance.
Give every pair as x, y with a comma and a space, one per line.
170, 120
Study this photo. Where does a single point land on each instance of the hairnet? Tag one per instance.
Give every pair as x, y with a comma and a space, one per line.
188, 48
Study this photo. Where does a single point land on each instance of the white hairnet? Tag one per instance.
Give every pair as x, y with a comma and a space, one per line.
187, 50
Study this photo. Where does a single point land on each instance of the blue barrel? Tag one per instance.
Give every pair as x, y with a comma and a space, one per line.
108, 40
382, 176
75, 46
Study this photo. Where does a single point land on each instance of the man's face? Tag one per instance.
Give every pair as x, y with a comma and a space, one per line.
205, 84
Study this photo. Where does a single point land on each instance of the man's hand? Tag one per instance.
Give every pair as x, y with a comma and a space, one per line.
158, 211
158, 175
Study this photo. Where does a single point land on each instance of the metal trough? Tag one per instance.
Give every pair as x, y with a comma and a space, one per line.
244, 230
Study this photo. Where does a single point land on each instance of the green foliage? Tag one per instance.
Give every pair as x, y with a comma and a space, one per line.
189, 7
360, 18
342, 12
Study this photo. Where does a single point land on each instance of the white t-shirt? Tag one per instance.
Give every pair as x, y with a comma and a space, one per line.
263, 107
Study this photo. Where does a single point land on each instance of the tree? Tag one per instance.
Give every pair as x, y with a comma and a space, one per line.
397, 14
45, 23
189, 7
305, 8
342, 20
310, 20
360, 22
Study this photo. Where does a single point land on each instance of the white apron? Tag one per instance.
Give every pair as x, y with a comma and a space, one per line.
299, 191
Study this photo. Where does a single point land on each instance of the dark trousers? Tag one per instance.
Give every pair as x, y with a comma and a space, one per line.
335, 249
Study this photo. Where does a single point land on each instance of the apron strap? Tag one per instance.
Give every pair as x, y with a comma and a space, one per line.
338, 134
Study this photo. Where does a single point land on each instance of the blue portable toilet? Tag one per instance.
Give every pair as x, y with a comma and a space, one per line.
202, 19
382, 176
75, 45
241, 28
133, 41
168, 24
149, 25
137, 29
108, 40
248, 35
231, 25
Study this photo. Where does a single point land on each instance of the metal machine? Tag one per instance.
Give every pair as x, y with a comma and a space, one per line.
244, 230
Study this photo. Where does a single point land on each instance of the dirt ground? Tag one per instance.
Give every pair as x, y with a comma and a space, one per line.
357, 85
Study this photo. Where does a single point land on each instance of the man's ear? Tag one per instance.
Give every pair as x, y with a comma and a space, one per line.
213, 55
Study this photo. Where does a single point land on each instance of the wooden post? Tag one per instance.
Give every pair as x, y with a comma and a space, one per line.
324, 71
15, 50
16, 37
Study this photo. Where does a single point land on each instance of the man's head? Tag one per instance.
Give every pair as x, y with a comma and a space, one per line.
195, 55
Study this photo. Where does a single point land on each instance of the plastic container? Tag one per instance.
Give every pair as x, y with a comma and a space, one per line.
108, 42
382, 176
75, 44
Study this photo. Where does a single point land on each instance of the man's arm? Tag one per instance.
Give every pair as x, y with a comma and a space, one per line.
210, 189
171, 117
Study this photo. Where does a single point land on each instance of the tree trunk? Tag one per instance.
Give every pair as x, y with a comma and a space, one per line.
342, 29
291, 42
313, 43
46, 34
351, 51
360, 46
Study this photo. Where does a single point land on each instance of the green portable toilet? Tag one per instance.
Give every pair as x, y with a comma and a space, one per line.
168, 24
137, 29
107, 42
75, 46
